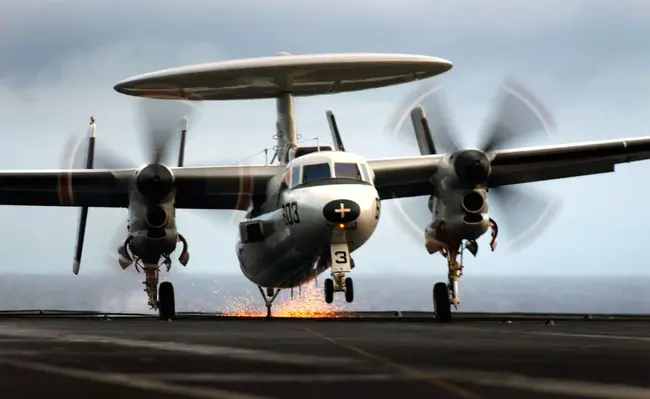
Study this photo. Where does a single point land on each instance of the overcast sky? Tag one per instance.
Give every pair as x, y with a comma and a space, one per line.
586, 61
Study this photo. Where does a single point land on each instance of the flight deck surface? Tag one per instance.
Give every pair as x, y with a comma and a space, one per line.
473, 357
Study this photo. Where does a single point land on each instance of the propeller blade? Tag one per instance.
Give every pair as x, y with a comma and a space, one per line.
429, 98
160, 122
76, 149
526, 213
230, 218
423, 134
413, 215
518, 115
334, 131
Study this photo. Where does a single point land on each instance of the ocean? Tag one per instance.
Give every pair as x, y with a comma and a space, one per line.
122, 292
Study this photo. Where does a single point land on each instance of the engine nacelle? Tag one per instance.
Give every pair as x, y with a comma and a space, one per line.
459, 204
473, 202
156, 217
463, 211
435, 207
435, 237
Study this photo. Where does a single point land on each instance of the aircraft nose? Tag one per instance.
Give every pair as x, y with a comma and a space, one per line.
341, 211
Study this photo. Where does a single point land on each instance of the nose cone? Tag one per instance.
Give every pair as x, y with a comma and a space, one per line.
155, 181
472, 166
341, 211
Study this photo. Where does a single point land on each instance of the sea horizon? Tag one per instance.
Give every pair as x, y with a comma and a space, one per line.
212, 293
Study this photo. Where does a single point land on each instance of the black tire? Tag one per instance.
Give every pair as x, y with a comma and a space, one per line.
349, 290
166, 301
329, 290
441, 304
269, 292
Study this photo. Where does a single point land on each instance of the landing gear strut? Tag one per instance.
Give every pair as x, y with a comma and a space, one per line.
269, 298
445, 295
162, 300
341, 265
159, 298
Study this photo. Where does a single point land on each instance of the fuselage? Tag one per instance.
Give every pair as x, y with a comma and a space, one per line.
321, 198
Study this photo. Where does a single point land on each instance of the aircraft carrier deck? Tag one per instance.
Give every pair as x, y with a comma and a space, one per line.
357, 355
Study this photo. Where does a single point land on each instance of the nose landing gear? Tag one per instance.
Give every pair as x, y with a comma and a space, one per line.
341, 265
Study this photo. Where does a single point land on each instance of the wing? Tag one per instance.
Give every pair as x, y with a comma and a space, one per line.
217, 187
409, 176
404, 177
97, 187
561, 161
223, 187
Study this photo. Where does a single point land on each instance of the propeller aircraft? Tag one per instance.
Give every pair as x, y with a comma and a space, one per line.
312, 209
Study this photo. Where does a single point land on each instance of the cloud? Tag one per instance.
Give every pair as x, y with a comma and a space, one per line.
541, 29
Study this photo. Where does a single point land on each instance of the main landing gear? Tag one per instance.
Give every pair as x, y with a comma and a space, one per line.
446, 294
269, 298
161, 299
342, 264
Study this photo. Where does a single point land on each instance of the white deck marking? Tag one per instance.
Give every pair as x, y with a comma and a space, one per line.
545, 333
600, 336
510, 380
170, 346
131, 381
260, 378
405, 370
495, 379
545, 385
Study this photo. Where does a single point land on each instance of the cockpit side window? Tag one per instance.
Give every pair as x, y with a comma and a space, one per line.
347, 170
365, 173
316, 172
295, 176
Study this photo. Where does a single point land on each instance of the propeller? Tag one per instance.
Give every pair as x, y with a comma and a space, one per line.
517, 115
160, 123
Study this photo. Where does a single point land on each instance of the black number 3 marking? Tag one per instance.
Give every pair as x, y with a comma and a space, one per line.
290, 213
378, 208
342, 257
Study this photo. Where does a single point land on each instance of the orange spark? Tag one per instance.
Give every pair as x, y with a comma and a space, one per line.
308, 302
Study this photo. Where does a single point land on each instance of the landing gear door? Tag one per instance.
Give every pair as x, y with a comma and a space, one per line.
340, 254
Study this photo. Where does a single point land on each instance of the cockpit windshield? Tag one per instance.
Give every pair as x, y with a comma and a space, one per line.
316, 172
347, 171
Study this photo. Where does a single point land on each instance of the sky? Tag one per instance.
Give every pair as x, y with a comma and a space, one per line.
586, 61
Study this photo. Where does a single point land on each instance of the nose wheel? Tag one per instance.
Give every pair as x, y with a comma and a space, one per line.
344, 285
341, 265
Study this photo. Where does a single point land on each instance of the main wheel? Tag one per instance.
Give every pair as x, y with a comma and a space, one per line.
329, 290
441, 303
349, 290
166, 301
269, 292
